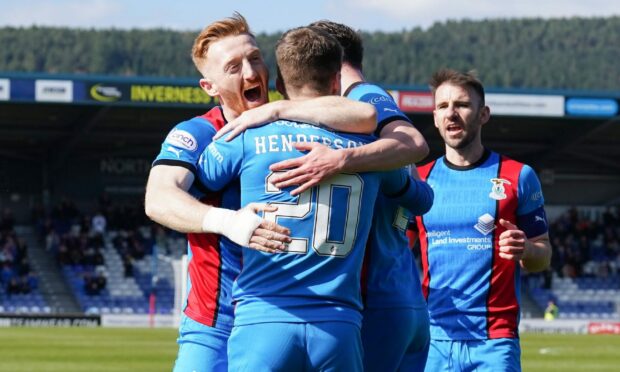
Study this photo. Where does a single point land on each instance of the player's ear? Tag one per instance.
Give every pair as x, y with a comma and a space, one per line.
280, 86
485, 114
336, 84
209, 87
435, 119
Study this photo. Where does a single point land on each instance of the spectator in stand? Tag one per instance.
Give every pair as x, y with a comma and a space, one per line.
6, 274
52, 239
13, 286
99, 223
552, 311
24, 287
128, 265
94, 283
63, 255
23, 266
585, 245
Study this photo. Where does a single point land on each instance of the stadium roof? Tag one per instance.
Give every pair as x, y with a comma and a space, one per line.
563, 134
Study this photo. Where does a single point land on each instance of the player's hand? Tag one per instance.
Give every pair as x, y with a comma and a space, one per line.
511, 242
248, 119
268, 236
306, 171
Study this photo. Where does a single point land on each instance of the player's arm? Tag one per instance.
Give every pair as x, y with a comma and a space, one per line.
413, 194
534, 254
537, 256
527, 240
336, 112
220, 163
400, 144
168, 203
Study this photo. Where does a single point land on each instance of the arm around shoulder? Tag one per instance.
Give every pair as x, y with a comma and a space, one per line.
336, 112
400, 144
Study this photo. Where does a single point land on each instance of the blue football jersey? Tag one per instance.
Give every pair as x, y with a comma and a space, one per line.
387, 109
318, 278
214, 261
472, 293
391, 278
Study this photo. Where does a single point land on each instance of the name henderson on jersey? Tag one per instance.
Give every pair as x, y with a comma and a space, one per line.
284, 142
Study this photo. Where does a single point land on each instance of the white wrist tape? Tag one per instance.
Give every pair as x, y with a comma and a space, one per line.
238, 226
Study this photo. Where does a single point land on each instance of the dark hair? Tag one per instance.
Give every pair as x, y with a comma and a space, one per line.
461, 79
349, 39
308, 56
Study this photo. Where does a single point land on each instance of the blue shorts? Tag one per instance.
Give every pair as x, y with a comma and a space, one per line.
201, 348
500, 354
395, 339
317, 346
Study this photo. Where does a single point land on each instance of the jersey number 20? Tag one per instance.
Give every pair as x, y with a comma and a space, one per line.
324, 226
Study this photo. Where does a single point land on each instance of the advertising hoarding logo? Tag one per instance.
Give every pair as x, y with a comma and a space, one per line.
5, 89
591, 107
105, 93
53, 91
169, 94
416, 102
525, 104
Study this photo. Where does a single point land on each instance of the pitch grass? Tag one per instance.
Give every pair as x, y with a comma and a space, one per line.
152, 350
87, 349
570, 353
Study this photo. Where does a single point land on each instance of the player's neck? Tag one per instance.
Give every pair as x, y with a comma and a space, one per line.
465, 156
229, 114
349, 75
303, 93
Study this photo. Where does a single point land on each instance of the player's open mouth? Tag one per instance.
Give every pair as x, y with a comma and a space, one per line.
454, 128
252, 94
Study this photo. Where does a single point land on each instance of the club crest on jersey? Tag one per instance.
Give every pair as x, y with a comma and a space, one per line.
182, 138
486, 224
498, 192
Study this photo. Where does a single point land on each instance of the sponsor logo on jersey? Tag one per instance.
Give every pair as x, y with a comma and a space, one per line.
182, 138
390, 109
536, 196
539, 219
105, 93
444, 238
498, 192
486, 224
215, 153
177, 152
379, 99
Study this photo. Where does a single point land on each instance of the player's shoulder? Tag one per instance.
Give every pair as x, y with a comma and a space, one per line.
209, 121
425, 169
196, 126
361, 88
213, 117
521, 167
